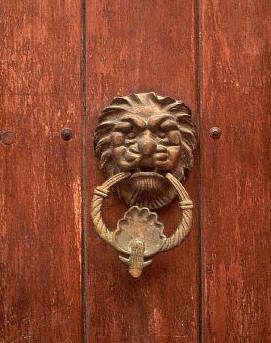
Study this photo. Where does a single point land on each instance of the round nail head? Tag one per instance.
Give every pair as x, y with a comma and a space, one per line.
66, 134
215, 132
8, 137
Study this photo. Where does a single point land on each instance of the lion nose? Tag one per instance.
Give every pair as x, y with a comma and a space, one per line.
147, 147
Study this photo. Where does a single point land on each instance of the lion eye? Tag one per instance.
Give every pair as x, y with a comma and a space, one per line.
161, 134
131, 135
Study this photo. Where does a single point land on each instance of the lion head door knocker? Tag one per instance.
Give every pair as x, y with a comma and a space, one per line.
145, 143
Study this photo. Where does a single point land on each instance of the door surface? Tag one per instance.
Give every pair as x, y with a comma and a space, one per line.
61, 63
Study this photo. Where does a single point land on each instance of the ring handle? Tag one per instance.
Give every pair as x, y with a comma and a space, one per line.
186, 205
140, 238
100, 193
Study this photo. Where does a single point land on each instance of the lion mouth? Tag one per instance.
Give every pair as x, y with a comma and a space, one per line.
147, 187
147, 172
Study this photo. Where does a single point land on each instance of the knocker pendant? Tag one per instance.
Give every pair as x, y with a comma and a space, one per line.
145, 143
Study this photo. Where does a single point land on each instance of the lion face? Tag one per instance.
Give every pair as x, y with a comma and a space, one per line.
147, 135
150, 143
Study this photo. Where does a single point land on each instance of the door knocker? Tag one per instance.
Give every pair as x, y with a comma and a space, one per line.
145, 143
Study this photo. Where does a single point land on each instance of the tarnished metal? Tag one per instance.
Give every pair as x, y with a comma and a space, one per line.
145, 143
66, 134
215, 132
8, 137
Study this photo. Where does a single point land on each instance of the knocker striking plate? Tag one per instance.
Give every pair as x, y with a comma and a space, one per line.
144, 143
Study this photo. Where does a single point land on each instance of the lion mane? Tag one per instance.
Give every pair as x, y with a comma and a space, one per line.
139, 104
156, 193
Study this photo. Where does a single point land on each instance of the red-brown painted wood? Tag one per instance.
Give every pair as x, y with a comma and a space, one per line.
133, 46
236, 170
40, 174
139, 46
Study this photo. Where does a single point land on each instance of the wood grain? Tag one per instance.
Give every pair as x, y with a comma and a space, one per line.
134, 46
236, 170
140, 46
40, 196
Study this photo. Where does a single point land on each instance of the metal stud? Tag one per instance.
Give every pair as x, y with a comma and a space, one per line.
8, 137
66, 134
215, 132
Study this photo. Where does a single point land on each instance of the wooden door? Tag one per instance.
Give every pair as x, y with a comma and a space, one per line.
61, 63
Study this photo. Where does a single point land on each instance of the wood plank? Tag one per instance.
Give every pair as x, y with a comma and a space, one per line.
140, 46
236, 170
40, 197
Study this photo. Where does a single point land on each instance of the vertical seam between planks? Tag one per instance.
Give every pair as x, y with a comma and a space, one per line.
199, 65
84, 237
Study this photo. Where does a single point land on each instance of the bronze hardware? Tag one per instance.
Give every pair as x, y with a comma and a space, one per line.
66, 134
145, 143
7, 137
215, 132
